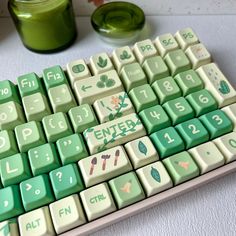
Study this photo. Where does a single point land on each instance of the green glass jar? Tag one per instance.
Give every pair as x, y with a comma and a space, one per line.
44, 25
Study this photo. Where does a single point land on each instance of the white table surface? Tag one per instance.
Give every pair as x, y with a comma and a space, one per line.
209, 210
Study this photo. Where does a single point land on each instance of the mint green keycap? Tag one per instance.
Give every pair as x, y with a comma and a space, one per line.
154, 119
166, 89
193, 132
132, 75
189, 82
126, 189
53, 76
202, 102
11, 115
167, 142
181, 167
66, 181
143, 97
8, 92
43, 159
155, 69
29, 84
10, 203
177, 62
14, 169
82, 117
8, 145
179, 110
217, 123
36, 107
36, 192
56, 126
71, 148
29, 135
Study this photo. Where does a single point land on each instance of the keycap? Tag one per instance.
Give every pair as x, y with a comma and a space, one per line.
166, 43
155, 69
207, 156
56, 126
11, 115
141, 152
113, 133
43, 159
227, 146
14, 169
154, 119
181, 167
100, 63
230, 111
154, 178
189, 82
71, 148
36, 107
10, 203
82, 117
61, 98
167, 142
8, 145
144, 49
202, 102
67, 213
166, 89
126, 189
105, 165
66, 180
113, 107
122, 56
29, 135
216, 82
37, 222
217, 123
177, 62
186, 37
9, 228
143, 97
97, 201
93, 88
8, 92
36, 192
132, 75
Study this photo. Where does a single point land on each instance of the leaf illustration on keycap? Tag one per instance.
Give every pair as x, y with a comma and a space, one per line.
125, 55
102, 62
142, 148
78, 68
105, 82
155, 174
224, 87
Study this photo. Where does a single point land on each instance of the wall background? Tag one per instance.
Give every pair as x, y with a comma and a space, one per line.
156, 7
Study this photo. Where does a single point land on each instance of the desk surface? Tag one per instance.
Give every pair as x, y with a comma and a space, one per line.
209, 210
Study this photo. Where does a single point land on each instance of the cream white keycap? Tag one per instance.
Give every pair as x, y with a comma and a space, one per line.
113, 107
227, 145
67, 213
144, 50
97, 201
113, 133
77, 70
9, 228
122, 56
231, 112
154, 178
104, 165
186, 37
141, 152
96, 87
100, 63
217, 84
166, 43
36, 223
207, 156
198, 55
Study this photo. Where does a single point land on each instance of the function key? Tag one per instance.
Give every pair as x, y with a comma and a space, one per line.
8, 92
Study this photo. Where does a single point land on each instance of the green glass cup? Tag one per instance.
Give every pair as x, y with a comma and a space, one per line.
44, 25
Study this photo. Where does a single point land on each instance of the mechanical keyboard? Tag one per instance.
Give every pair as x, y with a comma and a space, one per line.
90, 144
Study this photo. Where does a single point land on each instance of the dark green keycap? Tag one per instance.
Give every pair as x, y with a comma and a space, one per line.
8, 92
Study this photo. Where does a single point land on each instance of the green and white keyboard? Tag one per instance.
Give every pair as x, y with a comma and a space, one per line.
87, 145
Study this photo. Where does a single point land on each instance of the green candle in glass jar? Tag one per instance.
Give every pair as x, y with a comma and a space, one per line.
44, 25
